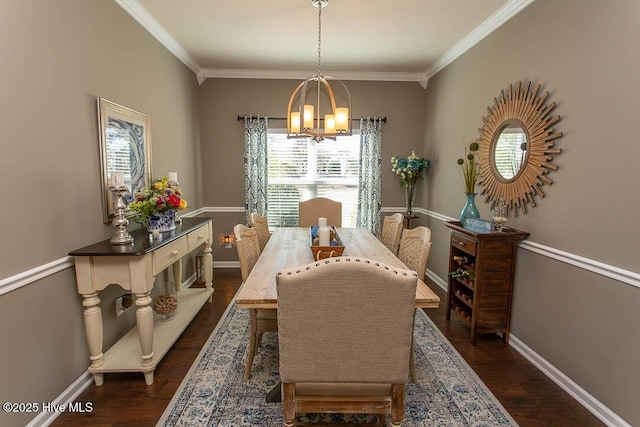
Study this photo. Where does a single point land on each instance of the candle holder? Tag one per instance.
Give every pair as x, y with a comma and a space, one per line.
500, 215
120, 222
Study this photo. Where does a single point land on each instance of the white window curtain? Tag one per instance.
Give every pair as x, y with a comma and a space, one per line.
255, 166
369, 197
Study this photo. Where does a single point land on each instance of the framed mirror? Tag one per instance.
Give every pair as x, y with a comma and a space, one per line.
125, 148
516, 147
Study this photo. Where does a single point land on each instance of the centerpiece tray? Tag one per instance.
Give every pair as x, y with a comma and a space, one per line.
335, 249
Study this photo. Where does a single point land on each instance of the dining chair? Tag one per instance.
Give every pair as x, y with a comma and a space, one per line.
260, 320
261, 225
345, 332
312, 209
415, 246
391, 231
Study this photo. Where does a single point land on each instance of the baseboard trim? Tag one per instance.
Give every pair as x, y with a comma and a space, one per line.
68, 396
438, 280
592, 404
226, 264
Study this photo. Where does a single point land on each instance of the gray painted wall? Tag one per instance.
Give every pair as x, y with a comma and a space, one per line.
223, 135
584, 53
57, 58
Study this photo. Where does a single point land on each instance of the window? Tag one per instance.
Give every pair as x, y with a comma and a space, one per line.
301, 169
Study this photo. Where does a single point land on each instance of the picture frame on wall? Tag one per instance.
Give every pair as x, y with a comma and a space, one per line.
125, 151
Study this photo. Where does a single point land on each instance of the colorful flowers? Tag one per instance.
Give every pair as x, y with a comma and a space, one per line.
161, 196
470, 167
409, 168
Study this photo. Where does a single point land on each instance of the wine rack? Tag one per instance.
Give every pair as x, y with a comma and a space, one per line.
481, 271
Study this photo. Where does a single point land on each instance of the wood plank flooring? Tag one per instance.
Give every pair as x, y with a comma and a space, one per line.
528, 395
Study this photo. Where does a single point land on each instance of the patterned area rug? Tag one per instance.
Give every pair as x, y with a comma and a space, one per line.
214, 392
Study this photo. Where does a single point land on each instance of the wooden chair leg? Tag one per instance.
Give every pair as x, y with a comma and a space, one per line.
412, 365
412, 360
258, 340
251, 351
397, 404
288, 404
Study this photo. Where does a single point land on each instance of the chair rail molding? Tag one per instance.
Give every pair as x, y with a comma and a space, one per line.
19, 280
619, 274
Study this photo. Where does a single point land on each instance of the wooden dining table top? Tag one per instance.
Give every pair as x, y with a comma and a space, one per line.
290, 247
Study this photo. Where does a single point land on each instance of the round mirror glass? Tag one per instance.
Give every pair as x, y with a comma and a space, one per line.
510, 151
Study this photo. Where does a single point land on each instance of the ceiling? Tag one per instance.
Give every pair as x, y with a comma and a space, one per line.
404, 40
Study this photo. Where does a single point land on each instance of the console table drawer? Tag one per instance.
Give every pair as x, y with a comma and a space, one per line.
198, 237
167, 255
464, 244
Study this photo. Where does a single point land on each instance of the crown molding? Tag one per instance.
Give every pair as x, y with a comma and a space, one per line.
303, 74
148, 22
144, 18
502, 15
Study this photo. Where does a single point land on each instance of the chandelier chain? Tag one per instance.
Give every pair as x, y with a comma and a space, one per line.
319, 36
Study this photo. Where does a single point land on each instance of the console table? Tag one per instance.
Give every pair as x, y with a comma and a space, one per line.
134, 267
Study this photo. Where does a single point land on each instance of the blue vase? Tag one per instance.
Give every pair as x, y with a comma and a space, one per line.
162, 221
469, 210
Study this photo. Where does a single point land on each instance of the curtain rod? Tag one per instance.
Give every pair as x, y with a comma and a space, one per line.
240, 118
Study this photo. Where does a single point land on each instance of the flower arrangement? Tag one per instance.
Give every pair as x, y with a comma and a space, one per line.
161, 196
470, 167
409, 168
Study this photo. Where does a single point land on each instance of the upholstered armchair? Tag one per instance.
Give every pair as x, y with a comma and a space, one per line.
345, 329
310, 210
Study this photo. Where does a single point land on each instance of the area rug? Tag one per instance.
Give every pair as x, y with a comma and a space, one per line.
214, 393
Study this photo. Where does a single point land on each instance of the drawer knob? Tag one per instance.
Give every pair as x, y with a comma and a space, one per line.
174, 252
461, 243
200, 237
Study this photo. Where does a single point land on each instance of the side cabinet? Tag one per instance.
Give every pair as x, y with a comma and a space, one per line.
481, 272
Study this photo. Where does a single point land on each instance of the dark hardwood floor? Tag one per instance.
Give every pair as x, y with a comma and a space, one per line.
530, 397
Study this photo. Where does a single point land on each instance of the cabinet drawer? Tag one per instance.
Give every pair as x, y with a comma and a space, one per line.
197, 237
463, 243
167, 255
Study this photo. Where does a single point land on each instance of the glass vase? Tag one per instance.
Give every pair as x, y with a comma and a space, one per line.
165, 300
469, 210
410, 194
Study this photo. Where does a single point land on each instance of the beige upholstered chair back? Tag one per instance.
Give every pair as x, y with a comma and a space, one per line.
261, 226
345, 320
415, 246
248, 248
311, 210
391, 231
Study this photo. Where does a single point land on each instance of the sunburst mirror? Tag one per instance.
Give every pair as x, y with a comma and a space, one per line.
516, 147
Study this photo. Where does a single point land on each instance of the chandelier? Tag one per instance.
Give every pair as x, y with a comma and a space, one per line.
314, 98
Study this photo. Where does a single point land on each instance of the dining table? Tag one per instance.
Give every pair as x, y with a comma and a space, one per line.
290, 247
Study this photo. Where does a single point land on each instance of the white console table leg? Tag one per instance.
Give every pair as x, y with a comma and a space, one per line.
207, 265
177, 274
93, 330
144, 323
